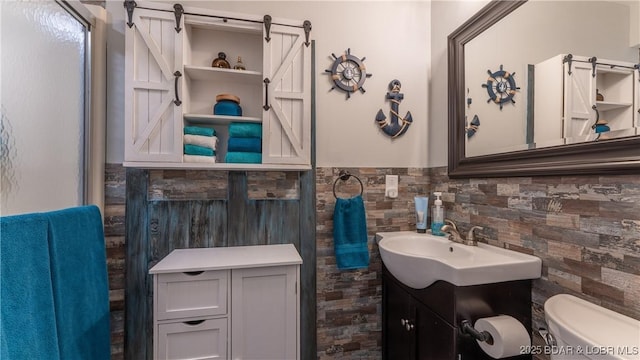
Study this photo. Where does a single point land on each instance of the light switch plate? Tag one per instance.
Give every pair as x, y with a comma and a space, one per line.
391, 186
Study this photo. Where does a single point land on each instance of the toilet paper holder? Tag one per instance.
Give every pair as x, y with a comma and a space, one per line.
547, 336
484, 336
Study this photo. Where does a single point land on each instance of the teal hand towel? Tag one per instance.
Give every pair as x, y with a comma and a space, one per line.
199, 130
350, 234
243, 157
27, 315
248, 144
80, 283
190, 149
245, 130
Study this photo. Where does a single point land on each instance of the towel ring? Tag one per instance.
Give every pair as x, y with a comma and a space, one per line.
344, 176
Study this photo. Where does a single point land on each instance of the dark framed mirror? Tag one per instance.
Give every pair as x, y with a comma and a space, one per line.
597, 156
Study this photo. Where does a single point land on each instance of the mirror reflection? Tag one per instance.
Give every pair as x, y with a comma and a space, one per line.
553, 73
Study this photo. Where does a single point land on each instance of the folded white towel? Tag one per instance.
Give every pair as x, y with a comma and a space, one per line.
199, 159
206, 141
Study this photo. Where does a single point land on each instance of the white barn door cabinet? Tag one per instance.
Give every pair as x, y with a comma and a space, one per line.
170, 83
240, 303
567, 104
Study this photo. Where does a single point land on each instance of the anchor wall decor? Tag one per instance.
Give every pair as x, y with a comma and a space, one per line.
397, 126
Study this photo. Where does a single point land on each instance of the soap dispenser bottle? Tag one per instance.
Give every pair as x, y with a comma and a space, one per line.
437, 215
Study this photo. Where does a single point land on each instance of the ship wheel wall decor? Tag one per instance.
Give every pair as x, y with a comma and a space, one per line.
348, 73
501, 87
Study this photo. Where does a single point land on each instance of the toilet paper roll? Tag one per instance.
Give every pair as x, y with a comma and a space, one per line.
509, 336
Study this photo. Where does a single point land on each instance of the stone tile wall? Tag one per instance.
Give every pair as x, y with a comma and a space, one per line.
586, 229
349, 302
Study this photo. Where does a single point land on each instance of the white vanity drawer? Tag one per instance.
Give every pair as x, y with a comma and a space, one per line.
200, 339
192, 294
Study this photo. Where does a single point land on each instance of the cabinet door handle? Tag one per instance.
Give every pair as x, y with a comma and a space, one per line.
193, 273
266, 105
193, 322
409, 326
597, 116
177, 75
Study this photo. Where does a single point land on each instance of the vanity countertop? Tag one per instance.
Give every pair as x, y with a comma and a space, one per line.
234, 257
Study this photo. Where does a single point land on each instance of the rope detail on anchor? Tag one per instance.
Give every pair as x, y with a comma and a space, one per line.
396, 125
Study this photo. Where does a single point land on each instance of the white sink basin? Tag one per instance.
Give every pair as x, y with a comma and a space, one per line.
419, 260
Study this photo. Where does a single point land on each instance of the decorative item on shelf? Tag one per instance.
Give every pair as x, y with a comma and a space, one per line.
227, 104
600, 126
473, 126
599, 97
501, 87
221, 61
239, 64
348, 73
397, 126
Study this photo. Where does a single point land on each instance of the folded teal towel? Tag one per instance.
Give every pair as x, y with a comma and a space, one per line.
199, 130
248, 144
27, 315
190, 149
80, 283
245, 130
243, 157
350, 234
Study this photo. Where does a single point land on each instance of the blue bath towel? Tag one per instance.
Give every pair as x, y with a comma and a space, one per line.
245, 130
79, 276
190, 149
27, 316
350, 234
199, 130
248, 144
243, 157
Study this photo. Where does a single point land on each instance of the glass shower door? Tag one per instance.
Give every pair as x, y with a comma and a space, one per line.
44, 106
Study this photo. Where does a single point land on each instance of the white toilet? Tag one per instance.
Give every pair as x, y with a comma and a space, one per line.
583, 330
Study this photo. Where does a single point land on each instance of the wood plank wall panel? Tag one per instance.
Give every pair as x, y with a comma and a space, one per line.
307, 249
190, 209
137, 314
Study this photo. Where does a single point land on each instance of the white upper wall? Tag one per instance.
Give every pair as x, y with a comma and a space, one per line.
394, 36
446, 16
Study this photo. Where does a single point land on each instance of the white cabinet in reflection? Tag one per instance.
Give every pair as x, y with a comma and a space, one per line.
580, 98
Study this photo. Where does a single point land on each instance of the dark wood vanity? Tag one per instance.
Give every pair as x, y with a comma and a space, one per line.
424, 324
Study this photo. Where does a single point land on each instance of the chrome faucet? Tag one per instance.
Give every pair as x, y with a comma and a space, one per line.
451, 229
454, 235
471, 236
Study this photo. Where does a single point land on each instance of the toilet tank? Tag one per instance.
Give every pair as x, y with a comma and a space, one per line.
584, 330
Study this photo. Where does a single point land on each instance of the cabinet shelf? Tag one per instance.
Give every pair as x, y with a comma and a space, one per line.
606, 69
609, 105
216, 166
222, 75
219, 119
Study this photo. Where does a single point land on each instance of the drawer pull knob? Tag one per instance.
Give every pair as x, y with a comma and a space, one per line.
193, 273
194, 322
